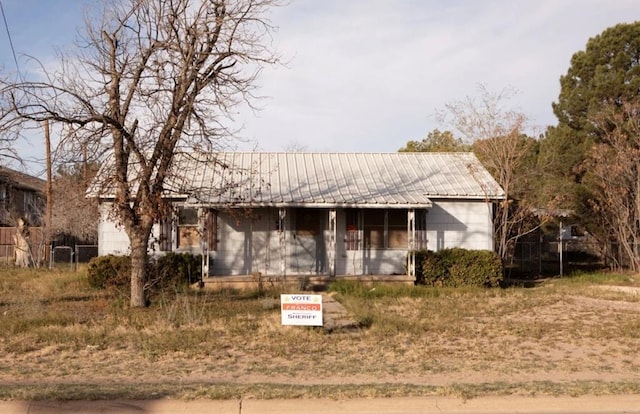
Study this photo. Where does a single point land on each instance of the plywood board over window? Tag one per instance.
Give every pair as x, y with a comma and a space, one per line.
373, 227
211, 229
385, 229
188, 233
397, 229
307, 222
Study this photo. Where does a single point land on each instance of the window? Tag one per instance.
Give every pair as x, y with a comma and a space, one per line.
384, 229
373, 226
353, 235
211, 229
4, 197
188, 234
165, 239
421, 229
397, 229
307, 222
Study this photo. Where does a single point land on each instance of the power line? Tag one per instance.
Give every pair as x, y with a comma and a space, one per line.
13, 51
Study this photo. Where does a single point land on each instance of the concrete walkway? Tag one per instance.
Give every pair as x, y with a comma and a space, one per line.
617, 404
335, 316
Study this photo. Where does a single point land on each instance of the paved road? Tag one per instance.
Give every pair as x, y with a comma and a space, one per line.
628, 404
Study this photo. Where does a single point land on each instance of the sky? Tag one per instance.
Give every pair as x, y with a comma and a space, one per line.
370, 75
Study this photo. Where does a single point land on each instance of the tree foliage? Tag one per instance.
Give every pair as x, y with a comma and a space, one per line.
151, 78
436, 141
589, 156
606, 72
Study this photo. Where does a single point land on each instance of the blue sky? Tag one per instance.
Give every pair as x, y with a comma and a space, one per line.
369, 75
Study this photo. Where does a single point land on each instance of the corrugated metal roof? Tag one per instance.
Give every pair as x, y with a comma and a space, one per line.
330, 179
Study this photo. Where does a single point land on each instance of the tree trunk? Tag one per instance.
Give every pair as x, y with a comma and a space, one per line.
139, 258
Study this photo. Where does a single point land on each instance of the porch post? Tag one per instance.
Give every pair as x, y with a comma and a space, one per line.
332, 242
282, 213
411, 236
204, 242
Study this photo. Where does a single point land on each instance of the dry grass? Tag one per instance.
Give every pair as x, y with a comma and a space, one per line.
61, 339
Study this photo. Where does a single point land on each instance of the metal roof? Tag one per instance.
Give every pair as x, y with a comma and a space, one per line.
402, 180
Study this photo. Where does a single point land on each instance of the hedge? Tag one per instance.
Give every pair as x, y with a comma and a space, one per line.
170, 271
458, 267
109, 272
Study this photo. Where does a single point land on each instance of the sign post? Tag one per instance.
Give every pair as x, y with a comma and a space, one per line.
301, 309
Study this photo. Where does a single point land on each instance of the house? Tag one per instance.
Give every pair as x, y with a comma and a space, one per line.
21, 196
325, 214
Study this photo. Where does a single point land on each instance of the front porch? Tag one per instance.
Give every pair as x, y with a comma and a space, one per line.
297, 282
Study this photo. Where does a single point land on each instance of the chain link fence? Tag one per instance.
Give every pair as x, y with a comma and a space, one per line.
551, 258
72, 257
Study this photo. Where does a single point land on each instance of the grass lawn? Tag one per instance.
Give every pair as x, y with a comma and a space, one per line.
61, 339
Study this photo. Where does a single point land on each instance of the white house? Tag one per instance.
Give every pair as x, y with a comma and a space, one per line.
327, 214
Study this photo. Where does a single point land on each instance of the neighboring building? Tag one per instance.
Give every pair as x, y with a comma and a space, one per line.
21, 196
318, 213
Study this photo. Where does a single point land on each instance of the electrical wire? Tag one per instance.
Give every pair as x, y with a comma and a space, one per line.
13, 51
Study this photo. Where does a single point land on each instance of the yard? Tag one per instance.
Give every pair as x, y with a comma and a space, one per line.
573, 336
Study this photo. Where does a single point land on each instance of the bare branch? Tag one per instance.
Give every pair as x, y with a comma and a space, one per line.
150, 77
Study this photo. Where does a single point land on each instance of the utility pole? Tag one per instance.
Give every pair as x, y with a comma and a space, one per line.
49, 195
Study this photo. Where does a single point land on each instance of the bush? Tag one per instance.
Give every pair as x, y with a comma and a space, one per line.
109, 272
175, 270
171, 271
458, 267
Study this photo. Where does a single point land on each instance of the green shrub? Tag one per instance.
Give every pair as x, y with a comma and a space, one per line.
458, 267
172, 271
175, 271
109, 272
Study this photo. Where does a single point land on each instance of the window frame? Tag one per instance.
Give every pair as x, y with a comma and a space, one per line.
378, 229
188, 234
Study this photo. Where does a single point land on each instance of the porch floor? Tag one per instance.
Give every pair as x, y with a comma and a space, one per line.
315, 283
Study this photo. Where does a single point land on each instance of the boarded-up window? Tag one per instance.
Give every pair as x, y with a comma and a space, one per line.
397, 228
374, 231
188, 234
384, 229
211, 230
307, 222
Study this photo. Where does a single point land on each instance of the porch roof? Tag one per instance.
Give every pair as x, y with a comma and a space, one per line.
390, 180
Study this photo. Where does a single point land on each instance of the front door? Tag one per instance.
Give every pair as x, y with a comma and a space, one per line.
308, 242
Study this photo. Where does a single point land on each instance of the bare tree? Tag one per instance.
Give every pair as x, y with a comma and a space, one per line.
152, 77
9, 134
497, 137
612, 171
73, 214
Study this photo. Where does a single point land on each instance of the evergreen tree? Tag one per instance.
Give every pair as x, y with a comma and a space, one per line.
590, 157
437, 141
606, 73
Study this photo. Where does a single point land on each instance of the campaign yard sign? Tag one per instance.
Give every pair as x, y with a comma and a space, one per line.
301, 309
